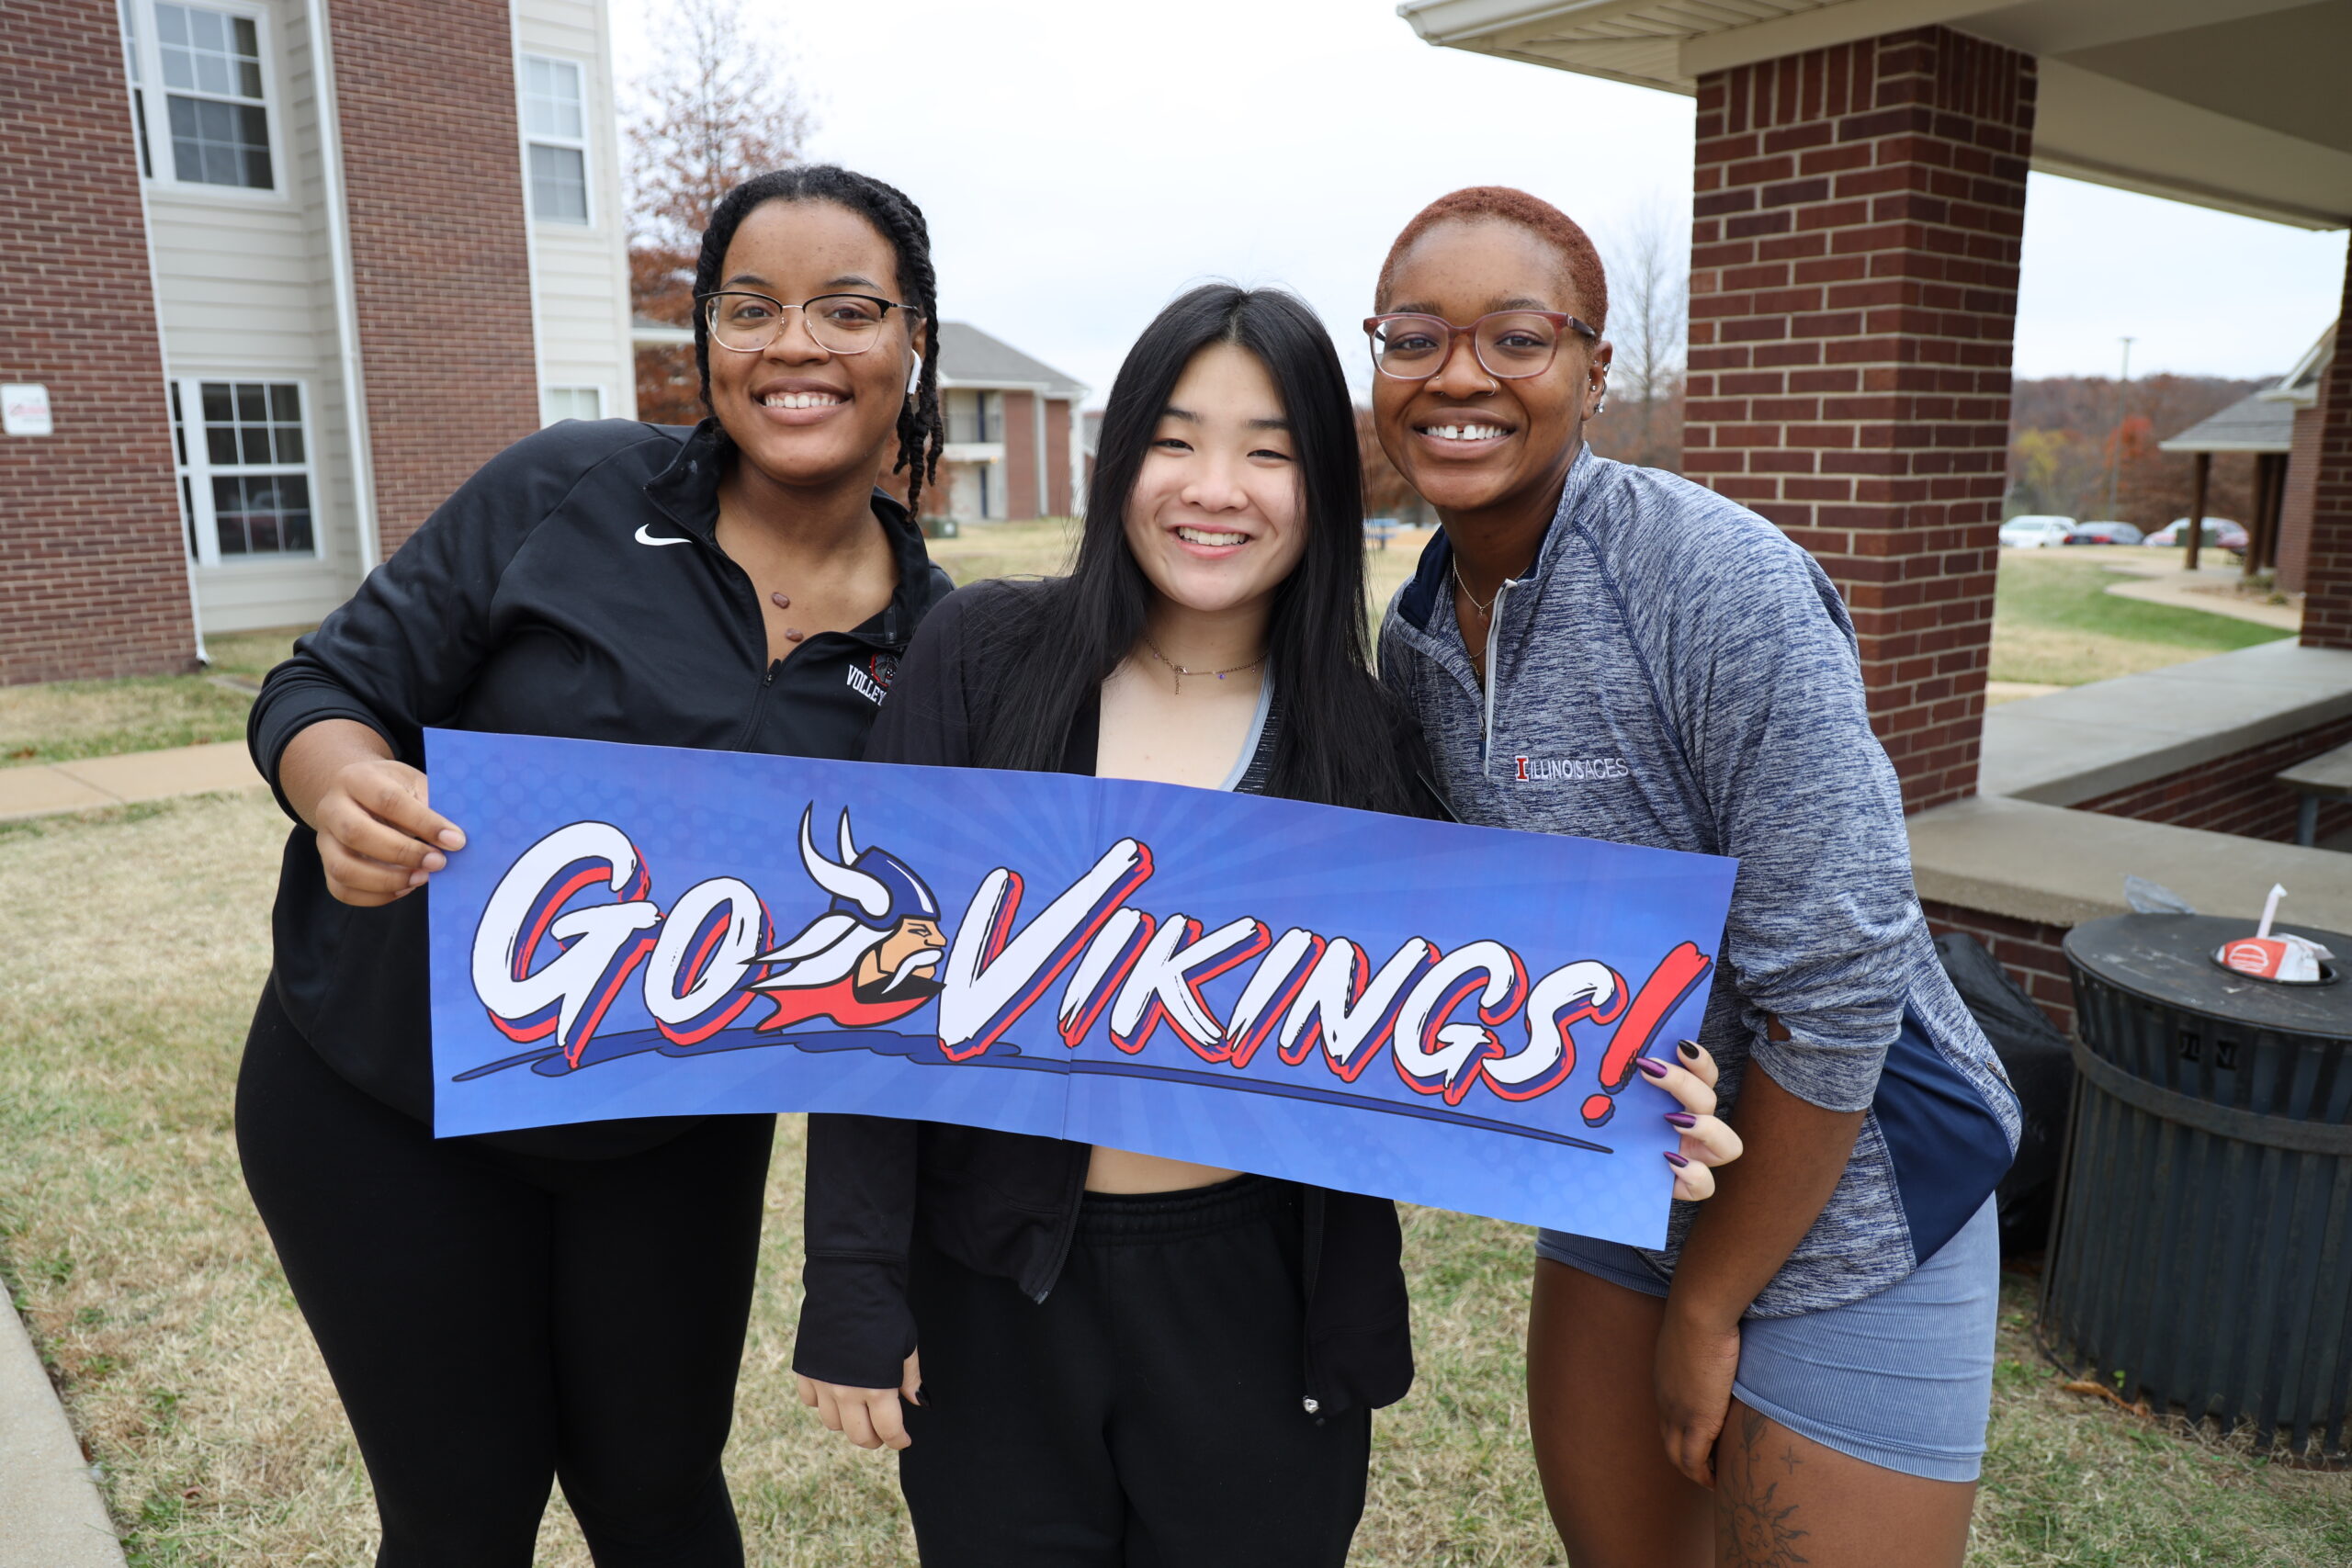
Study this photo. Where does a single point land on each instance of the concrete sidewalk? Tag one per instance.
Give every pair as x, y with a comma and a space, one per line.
2212, 588
96, 783
50, 1516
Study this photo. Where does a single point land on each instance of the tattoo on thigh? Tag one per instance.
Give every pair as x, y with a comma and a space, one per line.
1753, 1527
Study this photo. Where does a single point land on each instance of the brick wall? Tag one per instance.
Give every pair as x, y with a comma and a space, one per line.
1021, 456
2295, 507
2029, 950
1853, 290
2328, 574
441, 266
93, 560
1058, 415
2237, 794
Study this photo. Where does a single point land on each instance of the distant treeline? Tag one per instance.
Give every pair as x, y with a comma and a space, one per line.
2068, 431
2065, 431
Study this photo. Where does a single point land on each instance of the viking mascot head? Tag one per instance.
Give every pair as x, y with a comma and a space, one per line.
873, 955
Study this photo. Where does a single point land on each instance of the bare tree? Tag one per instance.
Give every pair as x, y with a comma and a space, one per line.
1649, 286
718, 107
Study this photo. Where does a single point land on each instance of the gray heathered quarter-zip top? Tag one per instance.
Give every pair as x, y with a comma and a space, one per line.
1674, 672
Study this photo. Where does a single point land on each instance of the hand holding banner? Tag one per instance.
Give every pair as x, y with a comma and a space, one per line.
640, 932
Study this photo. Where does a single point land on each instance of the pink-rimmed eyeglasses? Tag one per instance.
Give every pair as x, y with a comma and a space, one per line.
1510, 345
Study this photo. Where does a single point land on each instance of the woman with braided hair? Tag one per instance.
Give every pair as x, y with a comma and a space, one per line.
569, 1303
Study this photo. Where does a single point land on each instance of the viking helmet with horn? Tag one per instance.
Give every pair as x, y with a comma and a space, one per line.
872, 891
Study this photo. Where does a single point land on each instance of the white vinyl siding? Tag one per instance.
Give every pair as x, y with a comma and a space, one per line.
244, 292
579, 269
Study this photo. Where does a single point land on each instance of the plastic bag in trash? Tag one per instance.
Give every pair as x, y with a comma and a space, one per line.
2041, 1071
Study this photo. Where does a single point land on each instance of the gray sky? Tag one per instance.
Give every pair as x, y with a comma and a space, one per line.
1080, 163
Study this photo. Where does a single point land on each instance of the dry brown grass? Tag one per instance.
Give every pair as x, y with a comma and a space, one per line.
68, 719
64, 720
1041, 548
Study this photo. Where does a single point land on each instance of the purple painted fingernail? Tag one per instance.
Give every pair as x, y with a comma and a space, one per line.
1655, 1069
1690, 1048
1681, 1119
1676, 1160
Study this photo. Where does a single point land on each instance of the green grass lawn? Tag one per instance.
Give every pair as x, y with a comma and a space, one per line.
2054, 622
139, 940
65, 720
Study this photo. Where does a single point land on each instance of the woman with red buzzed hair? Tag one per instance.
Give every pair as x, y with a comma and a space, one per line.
1612, 651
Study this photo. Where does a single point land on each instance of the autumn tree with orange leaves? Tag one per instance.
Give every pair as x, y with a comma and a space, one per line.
715, 108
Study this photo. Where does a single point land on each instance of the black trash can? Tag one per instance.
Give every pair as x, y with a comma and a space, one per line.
2203, 1247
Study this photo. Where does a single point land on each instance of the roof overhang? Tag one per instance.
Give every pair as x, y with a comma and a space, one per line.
1052, 392
2300, 386
2238, 105
646, 333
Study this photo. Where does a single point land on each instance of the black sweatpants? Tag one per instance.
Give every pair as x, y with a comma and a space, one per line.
495, 1320
1147, 1414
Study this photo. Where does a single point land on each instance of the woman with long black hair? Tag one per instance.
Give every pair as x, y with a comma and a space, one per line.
569, 1303
1088, 1356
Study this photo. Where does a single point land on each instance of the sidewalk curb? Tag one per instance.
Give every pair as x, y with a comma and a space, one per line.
50, 1514
96, 784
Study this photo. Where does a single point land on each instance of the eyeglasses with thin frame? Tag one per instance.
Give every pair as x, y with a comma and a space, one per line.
841, 323
1510, 345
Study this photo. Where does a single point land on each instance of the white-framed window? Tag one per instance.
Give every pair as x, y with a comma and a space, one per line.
570, 403
200, 89
244, 449
974, 415
555, 131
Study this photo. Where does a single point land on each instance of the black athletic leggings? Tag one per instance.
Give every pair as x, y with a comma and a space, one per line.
495, 1320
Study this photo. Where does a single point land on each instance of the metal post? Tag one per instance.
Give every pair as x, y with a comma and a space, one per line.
2197, 510
2122, 409
2266, 489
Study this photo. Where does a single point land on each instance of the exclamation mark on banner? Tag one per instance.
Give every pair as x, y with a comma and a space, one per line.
1671, 981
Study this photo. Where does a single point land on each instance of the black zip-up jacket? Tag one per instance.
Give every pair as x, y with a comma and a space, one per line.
1007, 1204
572, 587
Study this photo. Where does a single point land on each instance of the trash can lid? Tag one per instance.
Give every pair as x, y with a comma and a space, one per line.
2168, 959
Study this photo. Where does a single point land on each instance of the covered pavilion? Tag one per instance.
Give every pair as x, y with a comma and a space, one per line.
1859, 202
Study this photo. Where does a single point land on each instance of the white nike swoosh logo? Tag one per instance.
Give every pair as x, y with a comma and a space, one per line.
645, 539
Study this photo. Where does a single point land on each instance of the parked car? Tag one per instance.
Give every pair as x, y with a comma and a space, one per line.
2104, 532
2033, 530
2219, 531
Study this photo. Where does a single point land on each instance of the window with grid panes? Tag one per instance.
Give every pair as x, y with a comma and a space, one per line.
555, 120
215, 103
570, 403
245, 469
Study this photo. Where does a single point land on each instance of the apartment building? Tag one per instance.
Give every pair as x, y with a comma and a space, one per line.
288, 271
1011, 451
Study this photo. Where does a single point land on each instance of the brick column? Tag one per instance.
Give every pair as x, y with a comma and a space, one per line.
1020, 498
1853, 292
432, 161
1060, 414
2327, 556
93, 561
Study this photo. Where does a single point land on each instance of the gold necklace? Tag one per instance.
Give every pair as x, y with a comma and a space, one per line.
1487, 609
1180, 672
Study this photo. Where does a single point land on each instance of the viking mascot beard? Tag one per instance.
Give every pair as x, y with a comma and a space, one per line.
872, 956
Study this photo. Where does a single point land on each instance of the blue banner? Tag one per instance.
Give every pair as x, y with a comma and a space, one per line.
1422, 1010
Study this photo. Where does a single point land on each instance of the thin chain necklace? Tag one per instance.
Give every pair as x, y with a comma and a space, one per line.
1487, 609
1179, 671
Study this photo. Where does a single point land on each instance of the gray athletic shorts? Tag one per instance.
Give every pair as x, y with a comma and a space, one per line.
1902, 1380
